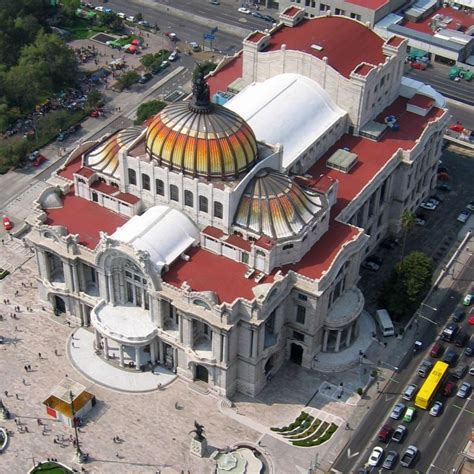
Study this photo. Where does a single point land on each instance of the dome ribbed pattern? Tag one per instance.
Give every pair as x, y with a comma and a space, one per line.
275, 206
104, 158
211, 143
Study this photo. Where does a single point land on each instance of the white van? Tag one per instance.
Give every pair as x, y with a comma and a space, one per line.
384, 322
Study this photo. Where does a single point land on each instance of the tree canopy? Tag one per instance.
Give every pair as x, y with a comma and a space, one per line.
408, 284
148, 109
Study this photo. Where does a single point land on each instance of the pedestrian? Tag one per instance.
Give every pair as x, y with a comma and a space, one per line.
39, 355
72, 344
6, 393
24, 382
17, 397
117, 455
26, 429
16, 292
55, 352
29, 368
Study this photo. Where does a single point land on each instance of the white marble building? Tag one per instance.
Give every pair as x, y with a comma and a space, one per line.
219, 241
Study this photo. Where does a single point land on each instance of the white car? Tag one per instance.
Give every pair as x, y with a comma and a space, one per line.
410, 391
420, 221
131, 18
428, 205
99, 9
470, 206
121, 15
436, 409
244, 10
376, 456
173, 56
463, 216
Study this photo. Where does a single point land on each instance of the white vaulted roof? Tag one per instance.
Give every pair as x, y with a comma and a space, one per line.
289, 109
165, 233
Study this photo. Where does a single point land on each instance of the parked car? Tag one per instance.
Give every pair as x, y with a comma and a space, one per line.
420, 221
434, 200
464, 390
409, 456
269, 18
461, 339
376, 259
40, 159
161, 67
257, 14
444, 187
409, 391
458, 314
385, 433
145, 78
420, 66
425, 368
397, 411
7, 223
450, 357
3, 273
469, 350
399, 434
470, 320
391, 460
244, 10
389, 243
121, 15
172, 36
460, 371
369, 265
428, 205
463, 216
376, 456
448, 388
409, 415
195, 46
214, 2
436, 409
437, 350
470, 206
450, 332
173, 56
99, 9
131, 19
467, 300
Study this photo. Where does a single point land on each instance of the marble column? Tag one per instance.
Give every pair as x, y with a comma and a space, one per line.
121, 355
153, 352
161, 352
75, 278
325, 339
43, 265
97, 339
138, 361
338, 341
349, 335
110, 287
106, 348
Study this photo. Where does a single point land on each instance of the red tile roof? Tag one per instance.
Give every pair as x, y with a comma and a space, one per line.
338, 48
461, 20
213, 232
291, 11
363, 69
265, 243
104, 188
86, 172
395, 41
421, 101
85, 218
229, 73
323, 253
238, 242
73, 167
255, 37
370, 4
206, 271
126, 197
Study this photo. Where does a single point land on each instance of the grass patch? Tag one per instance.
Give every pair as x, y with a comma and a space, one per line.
308, 432
299, 420
82, 29
322, 435
51, 468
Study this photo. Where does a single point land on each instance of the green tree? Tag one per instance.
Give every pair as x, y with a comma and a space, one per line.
148, 61
94, 99
69, 7
408, 284
127, 79
408, 222
148, 109
206, 67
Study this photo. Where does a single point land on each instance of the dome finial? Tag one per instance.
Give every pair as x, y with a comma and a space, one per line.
201, 101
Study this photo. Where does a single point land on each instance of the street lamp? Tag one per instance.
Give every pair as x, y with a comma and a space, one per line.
79, 453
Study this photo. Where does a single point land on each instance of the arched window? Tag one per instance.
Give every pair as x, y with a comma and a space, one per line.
188, 198
160, 187
201, 303
132, 176
136, 292
203, 204
287, 246
218, 210
145, 182
174, 193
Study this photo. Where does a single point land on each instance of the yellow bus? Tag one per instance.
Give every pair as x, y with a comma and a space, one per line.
428, 390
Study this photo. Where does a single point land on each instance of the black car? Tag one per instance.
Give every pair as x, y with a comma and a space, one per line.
469, 351
450, 357
390, 460
268, 18
443, 187
389, 243
450, 332
461, 339
376, 259
458, 315
145, 78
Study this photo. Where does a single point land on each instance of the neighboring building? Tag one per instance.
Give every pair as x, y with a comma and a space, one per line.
220, 240
367, 11
444, 32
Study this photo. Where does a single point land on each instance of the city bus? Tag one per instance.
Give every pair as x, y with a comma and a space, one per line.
431, 385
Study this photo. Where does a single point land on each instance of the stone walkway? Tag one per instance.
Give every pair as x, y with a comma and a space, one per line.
83, 358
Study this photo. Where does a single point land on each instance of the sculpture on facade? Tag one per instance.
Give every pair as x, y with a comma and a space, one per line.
198, 431
198, 442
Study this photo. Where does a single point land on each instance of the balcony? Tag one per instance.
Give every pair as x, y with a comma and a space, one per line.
345, 309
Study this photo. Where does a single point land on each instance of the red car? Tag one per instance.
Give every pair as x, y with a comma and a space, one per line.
420, 66
437, 350
39, 160
470, 319
385, 433
7, 223
457, 127
449, 388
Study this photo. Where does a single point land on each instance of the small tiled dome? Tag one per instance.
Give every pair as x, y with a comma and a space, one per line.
203, 139
274, 205
104, 158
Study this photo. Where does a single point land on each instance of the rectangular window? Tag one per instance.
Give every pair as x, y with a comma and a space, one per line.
218, 210
339, 11
174, 193
244, 257
300, 314
132, 177
298, 336
95, 198
129, 292
160, 187
188, 198
146, 182
302, 297
203, 204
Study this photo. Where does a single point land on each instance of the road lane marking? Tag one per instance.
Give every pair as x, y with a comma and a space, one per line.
350, 456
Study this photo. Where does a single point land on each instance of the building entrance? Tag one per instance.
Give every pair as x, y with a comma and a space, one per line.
202, 373
296, 353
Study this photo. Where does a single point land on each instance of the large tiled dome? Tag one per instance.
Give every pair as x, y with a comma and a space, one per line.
274, 205
203, 139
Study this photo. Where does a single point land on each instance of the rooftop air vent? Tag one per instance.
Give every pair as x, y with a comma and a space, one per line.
342, 160
317, 47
